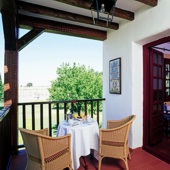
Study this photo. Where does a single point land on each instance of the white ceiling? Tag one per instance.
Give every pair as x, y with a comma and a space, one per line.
129, 5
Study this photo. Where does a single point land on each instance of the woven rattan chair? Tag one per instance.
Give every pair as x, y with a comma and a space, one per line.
42, 131
45, 152
113, 141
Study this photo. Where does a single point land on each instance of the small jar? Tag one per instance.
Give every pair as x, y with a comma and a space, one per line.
68, 116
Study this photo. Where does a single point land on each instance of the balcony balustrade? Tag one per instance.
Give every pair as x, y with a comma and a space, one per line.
39, 115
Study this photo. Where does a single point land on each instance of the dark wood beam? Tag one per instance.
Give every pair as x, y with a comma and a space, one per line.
9, 22
4, 4
87, 3
79, 3
61, 28
121, 13
152, 3
1, 5
128, 15
29, 37
50, 12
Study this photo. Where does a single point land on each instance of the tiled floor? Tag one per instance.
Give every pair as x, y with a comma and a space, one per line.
163, 146
141, 160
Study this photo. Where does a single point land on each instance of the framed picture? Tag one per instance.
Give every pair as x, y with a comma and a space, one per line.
115, 76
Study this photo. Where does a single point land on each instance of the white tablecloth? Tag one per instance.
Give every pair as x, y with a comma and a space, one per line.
84, 137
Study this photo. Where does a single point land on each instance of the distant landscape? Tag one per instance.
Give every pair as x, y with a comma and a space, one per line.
33, 93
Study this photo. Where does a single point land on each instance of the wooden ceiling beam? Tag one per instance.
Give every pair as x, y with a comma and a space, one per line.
121, 13
29, 37
62, 28
54, 13
78, 3
86, 4
151, 3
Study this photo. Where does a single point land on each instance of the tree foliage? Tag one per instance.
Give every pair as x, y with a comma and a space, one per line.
29, 85
76, 82
1, 89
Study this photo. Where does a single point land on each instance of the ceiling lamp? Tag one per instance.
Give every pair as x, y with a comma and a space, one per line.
104, 10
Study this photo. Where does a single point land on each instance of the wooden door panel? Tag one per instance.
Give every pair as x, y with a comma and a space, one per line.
156, 96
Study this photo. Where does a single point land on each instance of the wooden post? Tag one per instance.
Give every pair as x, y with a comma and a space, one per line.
11, 92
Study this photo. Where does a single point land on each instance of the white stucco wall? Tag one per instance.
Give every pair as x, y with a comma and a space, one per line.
150, 24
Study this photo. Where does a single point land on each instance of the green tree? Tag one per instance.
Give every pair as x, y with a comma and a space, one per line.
76, 82
1, 90
29, 85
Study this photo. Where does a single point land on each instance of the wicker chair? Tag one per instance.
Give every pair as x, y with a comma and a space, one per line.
42, 131
45, 152
113, 141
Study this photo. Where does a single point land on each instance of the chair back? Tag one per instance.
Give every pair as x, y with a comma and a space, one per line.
117, 123
121, 128
42, 131
31, 143
45, 152
113, 141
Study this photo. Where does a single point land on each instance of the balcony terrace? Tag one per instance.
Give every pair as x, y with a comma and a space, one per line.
133, 48
32, 116
39, 115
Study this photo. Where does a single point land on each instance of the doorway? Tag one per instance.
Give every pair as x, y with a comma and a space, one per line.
154, 140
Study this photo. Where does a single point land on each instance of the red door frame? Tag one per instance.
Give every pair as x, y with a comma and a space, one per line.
146, 119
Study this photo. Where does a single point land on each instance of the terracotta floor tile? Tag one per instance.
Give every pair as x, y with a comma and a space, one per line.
141, 160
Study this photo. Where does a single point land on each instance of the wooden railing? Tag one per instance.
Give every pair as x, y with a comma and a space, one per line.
39, 115
5, 137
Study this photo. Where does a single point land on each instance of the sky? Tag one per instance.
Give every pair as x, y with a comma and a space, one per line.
39, 60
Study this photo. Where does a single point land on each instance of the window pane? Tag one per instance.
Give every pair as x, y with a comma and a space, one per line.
167, 92
154, 107
160, 84
160, 107
155, 58
160, 59
160, 71
167, 79
155, 71
167, 67
167, 75
154, 84
167, 83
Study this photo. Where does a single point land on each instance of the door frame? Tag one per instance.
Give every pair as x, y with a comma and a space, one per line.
146, 102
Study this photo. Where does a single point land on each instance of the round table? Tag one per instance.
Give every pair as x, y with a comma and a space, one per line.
84, 137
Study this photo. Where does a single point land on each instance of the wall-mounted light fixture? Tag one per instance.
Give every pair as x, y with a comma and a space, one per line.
103, 10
